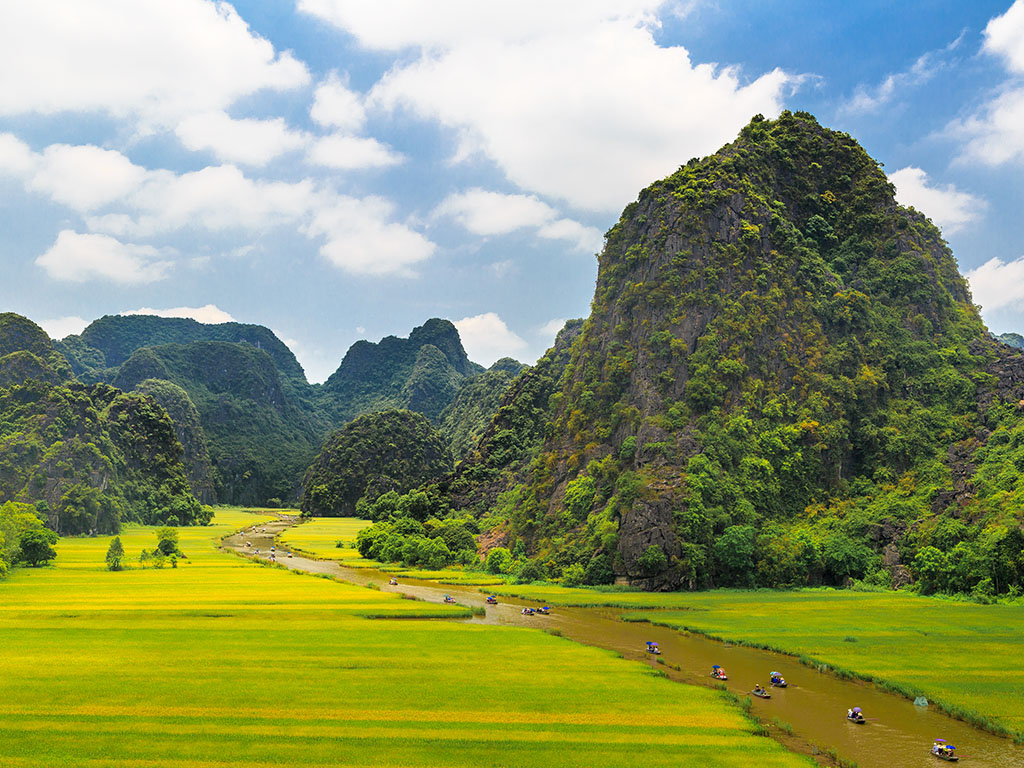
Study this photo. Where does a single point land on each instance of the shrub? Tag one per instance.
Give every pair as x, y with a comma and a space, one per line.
572, 576
115, 555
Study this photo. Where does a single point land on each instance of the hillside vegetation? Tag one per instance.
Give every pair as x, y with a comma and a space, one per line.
783, 381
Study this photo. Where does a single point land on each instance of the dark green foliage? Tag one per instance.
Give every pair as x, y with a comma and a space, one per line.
115, 555
467, 417
90, 457
188, 428
27, 354
111, 340
259, 433
599, 570
167, 542
374, 454
421, 373
36, 546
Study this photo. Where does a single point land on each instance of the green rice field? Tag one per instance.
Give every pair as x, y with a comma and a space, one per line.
965, 656
223, 662
319, 537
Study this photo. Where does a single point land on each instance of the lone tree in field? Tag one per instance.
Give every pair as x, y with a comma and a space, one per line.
115, 555
37, 546
167, 542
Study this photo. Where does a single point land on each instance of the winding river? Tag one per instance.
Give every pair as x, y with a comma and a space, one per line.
814, 705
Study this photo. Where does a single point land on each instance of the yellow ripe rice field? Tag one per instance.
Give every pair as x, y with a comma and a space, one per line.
223, 662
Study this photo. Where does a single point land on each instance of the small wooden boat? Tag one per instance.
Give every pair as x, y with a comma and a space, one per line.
778, 681
544, 610
527, 611
449, 599
393, 582
492, 600
653, 648
762, 694
945, 751
718, 673
858, 719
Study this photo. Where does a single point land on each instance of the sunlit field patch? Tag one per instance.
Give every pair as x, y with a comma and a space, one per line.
319, 537
224, 662
965, 655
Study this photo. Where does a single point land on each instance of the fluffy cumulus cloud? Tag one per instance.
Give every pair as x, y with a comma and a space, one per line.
246, 141
350, 153
487, 338
209, 313
77, 257
998, 284
551, 328
154, 61
993, 134
487, 213
59, 327
574, 101
122, 201
949, 208
336, 106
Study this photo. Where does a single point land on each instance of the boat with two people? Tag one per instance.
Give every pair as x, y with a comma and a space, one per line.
393, 582
492, 600
528, 611
449, 599
777, 681
760, 692
544, 610
855, 715
945, 751
652, 647
718, 673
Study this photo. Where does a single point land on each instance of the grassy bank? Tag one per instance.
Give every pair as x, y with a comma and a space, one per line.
963, 656
223, 662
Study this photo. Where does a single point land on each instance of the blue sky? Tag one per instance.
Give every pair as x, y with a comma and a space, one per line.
339, 169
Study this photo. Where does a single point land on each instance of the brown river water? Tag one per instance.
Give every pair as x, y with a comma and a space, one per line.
897, 734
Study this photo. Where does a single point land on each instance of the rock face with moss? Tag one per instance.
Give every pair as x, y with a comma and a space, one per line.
783, 381
380, 452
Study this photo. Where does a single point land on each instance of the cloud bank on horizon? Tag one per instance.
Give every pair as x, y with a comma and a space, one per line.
448, 158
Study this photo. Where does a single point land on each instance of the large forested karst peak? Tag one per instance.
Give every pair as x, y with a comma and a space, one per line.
783, 380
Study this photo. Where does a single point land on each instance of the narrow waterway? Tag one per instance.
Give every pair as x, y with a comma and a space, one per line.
897, 733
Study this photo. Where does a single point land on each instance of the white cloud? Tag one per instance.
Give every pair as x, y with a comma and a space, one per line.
573, 101
1004, 37
351, 153
949, 208
246, 141
155, 61
77, 257
59, 327
996, 284
551, 328
335, 106
487, 213
362, 238
992, 134
210, 313
359, 235
487, 338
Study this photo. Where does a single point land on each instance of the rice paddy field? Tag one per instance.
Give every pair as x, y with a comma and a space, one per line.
223, 662
965, 656
319, 537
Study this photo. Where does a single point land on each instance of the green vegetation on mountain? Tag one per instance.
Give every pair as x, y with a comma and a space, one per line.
370, 456
1012, 340
422, 373
27, 354
467, 417
112, 339
259, 434
187, 427
783, 381
89, 458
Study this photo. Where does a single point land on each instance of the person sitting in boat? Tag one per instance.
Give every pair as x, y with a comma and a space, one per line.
759, 690
492, 600
855, 714
718, 672
393, 581
652, 647
778, 679
527, 611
